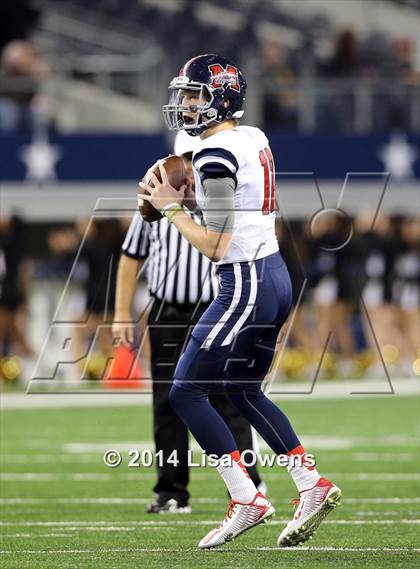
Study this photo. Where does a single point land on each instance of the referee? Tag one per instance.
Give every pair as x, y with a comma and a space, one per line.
181, 281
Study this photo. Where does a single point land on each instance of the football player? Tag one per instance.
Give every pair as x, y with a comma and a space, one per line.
235, 339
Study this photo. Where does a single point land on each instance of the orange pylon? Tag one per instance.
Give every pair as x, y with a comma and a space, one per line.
124, 370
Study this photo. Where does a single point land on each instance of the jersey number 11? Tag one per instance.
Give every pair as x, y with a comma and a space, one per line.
267, 162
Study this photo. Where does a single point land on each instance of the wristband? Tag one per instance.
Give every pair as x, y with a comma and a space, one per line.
169, 206
171, 210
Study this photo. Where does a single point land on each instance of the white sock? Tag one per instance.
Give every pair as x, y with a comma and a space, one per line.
236, 478
305, 477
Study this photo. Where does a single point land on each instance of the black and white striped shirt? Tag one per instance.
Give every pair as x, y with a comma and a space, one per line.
176, 271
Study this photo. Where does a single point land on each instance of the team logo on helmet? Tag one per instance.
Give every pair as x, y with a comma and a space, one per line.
221, 77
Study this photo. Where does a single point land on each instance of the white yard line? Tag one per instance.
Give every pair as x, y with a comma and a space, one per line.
84, 476
114, 525
324, 442
339, 549
106, 501
381, 513
30, 535
319, 442
377, 456
98, 501
376, 476
383, 500
87, 457
285, 392
139, 473
23, 458
216, 551
123, 446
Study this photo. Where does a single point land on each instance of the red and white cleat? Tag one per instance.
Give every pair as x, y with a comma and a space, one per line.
239, 518
314, 505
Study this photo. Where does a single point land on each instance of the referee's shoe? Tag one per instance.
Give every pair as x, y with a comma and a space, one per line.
168, 504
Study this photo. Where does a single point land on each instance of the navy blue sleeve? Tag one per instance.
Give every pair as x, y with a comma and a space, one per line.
216, 163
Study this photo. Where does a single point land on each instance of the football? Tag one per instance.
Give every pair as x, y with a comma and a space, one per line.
174, 166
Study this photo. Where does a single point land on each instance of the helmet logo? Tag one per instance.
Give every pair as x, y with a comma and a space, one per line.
221, 77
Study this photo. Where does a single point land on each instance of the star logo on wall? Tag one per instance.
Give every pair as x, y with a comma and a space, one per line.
40, 158
399, 157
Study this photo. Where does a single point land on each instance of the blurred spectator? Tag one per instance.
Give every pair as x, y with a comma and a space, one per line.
346, 60
100, 251
12, 287
381, 265
332, 271
80, 280
403, 52
337, 99
294, 249
377, 249
280, 98
406, 288
21, 70
299, 88
359, 284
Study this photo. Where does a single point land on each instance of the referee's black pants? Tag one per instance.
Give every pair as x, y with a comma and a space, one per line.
169, 328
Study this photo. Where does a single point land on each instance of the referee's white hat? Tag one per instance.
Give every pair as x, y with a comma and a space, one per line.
185, 143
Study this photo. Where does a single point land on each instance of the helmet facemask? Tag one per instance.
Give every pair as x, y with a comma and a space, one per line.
193, 118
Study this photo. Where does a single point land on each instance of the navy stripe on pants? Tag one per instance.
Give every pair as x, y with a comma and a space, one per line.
234, 343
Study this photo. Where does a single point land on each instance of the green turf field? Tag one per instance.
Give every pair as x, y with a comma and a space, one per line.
62, 507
